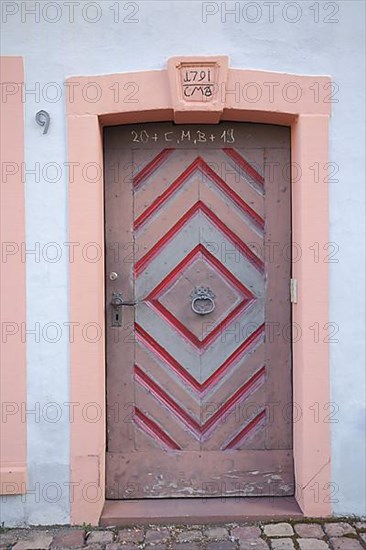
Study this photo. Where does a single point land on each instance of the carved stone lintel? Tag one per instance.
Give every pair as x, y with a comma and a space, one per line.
197, 86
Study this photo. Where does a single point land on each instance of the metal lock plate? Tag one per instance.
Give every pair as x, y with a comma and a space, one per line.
116, 304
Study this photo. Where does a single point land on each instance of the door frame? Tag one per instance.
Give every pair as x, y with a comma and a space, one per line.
300, 102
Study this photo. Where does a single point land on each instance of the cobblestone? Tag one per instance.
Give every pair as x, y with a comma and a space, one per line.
253, 544
8, 538
131, 535
160, 534
344, 543
189, 536
278, 530
34, 540
221, 545
312, 544
69, 539
245, 533
291, 535
217, 533
100, 537
282, 544
339, 529
309, 530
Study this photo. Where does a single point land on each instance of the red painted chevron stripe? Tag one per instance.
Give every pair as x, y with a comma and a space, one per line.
141, 264
151, 166
197, 429
148, 341
199, 165
153, 430
246, 431
245, 166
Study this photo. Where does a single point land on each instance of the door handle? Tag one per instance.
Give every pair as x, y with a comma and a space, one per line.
117, 300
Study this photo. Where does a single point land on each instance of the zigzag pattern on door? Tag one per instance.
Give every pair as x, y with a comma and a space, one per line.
186, 216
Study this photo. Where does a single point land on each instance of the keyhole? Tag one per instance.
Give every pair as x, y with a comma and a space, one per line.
116, 317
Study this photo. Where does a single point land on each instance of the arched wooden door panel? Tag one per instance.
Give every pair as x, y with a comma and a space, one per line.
198, 266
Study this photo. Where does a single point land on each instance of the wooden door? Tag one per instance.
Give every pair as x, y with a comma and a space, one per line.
198, 251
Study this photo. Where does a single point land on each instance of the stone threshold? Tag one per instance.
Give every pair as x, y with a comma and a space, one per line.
192, 511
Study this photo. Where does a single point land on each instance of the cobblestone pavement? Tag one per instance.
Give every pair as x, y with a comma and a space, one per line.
349, 534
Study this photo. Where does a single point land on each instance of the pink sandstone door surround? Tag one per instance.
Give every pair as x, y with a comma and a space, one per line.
202, 90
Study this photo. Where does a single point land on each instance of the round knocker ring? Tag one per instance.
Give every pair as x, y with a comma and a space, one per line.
203, 301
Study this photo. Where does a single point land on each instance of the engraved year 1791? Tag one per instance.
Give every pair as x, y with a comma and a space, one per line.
194, 76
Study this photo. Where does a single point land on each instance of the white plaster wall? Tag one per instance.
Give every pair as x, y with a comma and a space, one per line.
54, 51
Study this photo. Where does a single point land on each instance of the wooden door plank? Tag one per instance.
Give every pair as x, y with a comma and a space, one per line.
120, 341
209, 474
278, 306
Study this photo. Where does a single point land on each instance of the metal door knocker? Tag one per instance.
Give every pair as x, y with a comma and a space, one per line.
203, 300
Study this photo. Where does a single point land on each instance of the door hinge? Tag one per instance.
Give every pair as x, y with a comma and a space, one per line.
293, 291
